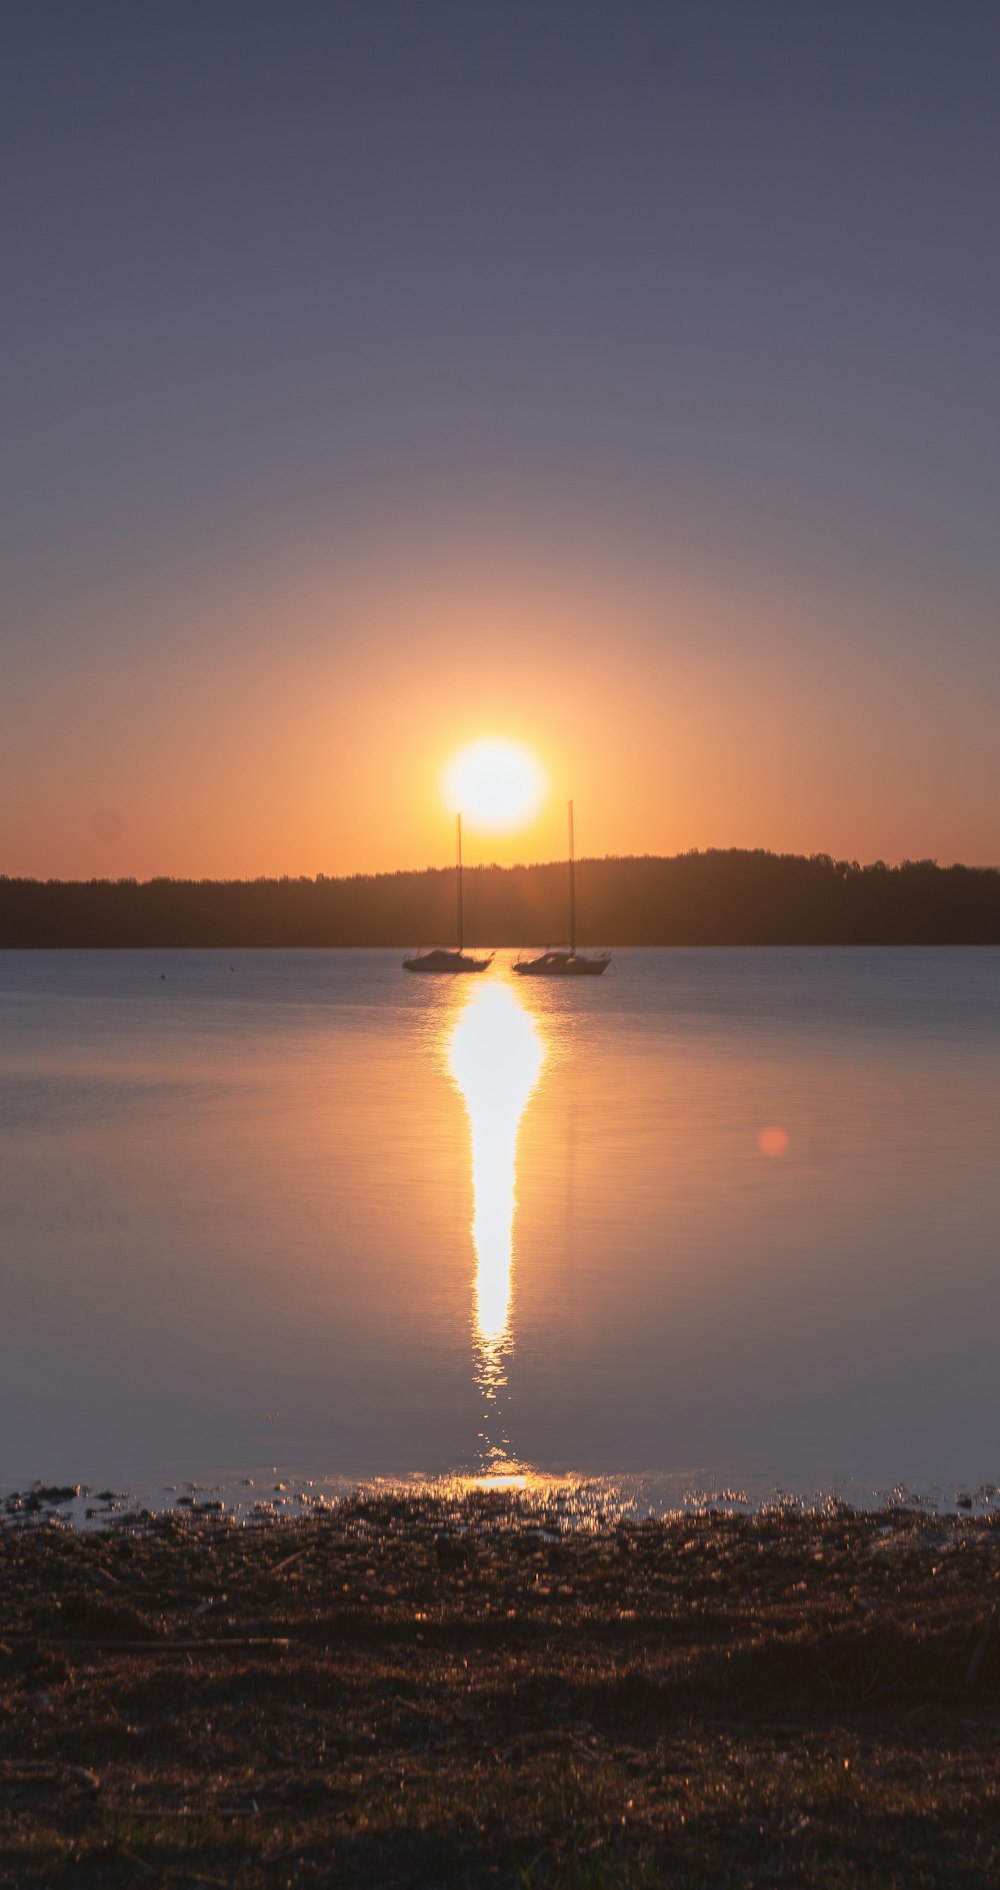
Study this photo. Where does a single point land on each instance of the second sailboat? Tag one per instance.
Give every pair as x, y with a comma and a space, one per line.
571, 964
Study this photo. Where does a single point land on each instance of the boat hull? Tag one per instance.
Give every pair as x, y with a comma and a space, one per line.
562, 965
448, 963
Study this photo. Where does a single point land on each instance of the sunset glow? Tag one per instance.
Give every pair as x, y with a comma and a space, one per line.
497, 784
336, 756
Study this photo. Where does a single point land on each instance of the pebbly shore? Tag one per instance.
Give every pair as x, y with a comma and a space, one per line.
422, 1692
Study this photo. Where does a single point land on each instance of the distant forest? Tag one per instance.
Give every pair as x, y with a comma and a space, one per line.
714, 898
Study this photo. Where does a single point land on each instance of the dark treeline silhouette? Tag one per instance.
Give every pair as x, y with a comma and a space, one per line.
714, 898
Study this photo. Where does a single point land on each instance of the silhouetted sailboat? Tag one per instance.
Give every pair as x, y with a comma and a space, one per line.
441, 959
571, 964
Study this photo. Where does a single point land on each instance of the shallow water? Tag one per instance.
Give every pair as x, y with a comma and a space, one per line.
720, 1218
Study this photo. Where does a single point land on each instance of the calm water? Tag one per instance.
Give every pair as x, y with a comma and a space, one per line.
724, 1218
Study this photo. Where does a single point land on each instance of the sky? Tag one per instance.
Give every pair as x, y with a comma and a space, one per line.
618, 379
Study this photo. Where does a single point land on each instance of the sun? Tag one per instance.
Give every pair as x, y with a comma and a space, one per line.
494, 783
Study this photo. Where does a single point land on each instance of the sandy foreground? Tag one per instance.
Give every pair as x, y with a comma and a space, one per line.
416, 1692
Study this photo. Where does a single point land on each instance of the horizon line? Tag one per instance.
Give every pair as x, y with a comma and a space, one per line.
840, 862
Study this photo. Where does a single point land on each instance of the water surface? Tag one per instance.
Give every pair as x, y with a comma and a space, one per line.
723, 1218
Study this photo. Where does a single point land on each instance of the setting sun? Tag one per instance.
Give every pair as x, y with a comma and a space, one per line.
495, 783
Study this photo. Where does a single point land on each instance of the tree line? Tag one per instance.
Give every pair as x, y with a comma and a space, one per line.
718, 897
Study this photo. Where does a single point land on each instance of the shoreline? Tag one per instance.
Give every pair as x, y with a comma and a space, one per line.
425, 1691
283, 1497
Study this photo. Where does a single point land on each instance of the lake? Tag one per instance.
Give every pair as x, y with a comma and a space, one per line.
717, 1221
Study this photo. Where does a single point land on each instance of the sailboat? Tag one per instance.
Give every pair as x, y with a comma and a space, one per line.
571, 964
445, 960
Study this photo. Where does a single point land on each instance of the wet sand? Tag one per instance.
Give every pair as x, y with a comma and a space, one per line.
416, 1692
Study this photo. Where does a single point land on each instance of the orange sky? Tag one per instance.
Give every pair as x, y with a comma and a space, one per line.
298, 721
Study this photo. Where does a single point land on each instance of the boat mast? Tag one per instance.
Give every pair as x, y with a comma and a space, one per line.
572, 888
461, 941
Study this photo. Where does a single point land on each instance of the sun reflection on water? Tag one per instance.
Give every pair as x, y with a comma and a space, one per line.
495, 1054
